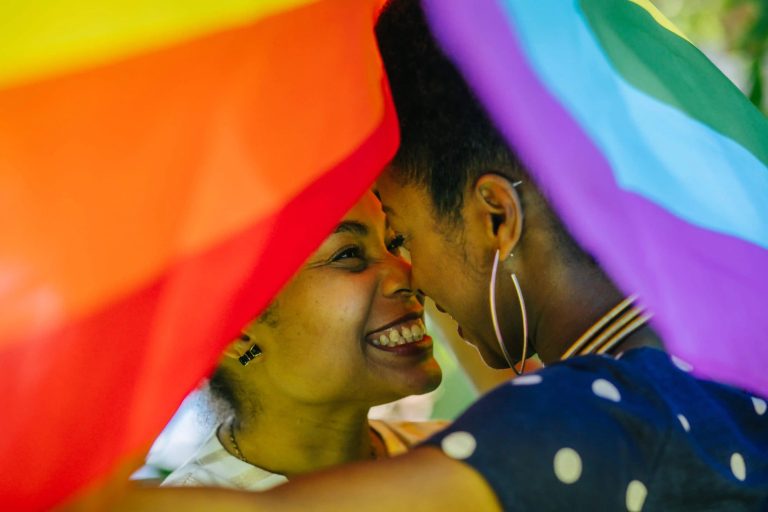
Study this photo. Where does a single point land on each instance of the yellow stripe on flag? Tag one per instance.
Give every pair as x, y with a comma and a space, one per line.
39, 38
660, 18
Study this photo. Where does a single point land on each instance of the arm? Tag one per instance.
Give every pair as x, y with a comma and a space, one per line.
424, 480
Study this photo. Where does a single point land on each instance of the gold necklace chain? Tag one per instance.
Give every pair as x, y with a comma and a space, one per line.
238, 453
610, 330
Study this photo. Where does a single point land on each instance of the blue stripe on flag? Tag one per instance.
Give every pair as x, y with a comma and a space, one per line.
655, 150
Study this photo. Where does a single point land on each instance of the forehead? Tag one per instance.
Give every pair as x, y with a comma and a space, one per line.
367, 211
404, 203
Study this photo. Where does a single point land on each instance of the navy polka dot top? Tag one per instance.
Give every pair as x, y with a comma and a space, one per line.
635, 433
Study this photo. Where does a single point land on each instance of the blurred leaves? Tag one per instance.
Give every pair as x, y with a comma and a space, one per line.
737, 29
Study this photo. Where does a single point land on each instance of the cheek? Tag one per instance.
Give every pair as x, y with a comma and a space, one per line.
426, 266
433, 271
320, 349
334, 307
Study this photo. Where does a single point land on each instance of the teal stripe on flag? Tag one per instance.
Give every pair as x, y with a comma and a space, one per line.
654, 150
647, 55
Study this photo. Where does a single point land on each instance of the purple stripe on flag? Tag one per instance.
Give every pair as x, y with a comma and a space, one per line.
708, 291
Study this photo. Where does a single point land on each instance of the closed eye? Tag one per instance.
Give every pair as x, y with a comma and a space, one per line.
396, 243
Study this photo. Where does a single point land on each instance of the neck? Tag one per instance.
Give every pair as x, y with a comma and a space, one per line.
292, 439
570, 306
643, 337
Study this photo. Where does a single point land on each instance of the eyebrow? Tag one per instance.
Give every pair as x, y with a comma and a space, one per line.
351, 226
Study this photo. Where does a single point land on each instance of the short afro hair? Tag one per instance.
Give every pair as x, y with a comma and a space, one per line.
447, 140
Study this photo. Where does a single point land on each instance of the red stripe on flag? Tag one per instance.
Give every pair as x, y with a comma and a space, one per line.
79, 399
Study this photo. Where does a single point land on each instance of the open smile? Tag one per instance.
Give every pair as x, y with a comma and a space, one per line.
404, 335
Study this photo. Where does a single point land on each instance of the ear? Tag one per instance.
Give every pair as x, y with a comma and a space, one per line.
238, 347
500, 203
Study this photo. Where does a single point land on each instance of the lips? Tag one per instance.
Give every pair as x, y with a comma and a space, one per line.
401, 335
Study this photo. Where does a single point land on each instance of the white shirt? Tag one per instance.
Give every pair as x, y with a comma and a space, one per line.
213, 466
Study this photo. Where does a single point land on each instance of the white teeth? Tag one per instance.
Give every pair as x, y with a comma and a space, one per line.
405, 334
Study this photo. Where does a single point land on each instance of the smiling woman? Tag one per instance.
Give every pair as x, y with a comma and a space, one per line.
345, 334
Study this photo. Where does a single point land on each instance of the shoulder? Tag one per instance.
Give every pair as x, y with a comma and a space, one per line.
401, 436
594, 405
632, 427
630, 407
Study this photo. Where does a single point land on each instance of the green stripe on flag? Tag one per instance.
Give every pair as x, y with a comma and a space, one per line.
669, 68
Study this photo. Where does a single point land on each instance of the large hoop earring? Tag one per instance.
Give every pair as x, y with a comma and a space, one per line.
494, 318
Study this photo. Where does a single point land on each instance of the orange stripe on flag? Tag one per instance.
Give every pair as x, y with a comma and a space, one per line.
133, 165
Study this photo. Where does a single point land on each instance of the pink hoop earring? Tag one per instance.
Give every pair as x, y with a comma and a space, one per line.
494, 318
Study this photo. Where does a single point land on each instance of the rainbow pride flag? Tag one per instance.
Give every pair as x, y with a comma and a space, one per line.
656, 162
165, 166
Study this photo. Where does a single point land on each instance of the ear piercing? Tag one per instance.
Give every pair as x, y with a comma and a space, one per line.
495, 320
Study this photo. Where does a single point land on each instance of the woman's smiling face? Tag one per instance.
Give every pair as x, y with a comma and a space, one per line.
450, 262
348, 327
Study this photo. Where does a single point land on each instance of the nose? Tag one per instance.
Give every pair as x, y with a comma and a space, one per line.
396, 278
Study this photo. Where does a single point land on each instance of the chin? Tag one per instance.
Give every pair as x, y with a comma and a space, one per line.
435, 378
493, 360
432, 378
426, 381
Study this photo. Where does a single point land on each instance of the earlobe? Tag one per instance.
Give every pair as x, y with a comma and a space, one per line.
238, 347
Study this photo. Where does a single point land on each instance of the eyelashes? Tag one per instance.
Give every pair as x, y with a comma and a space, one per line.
397, 242
354, 256
399, 247
351, 252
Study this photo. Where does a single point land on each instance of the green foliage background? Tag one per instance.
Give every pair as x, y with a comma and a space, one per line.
735, 29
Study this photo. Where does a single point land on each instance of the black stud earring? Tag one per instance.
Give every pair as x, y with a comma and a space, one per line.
250, 355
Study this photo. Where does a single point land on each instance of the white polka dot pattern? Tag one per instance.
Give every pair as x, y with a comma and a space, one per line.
681, 364
760, 405
636, 494
459, 445
527, 380
724, 449
738, 467
605, 389
567, 465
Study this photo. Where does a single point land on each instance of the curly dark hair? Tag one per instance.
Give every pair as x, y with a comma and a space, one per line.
447, 139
